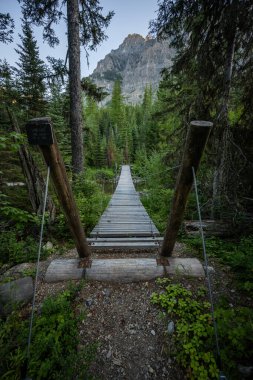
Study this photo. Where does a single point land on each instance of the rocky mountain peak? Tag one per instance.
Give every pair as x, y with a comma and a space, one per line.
137, 63
133, 39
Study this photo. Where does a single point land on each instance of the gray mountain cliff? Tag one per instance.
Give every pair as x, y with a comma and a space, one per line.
137, 63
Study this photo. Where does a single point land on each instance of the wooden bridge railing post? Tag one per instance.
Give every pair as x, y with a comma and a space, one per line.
40, 132
195, 143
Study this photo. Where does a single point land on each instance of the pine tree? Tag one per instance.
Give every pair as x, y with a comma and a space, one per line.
213, 41
9, 111
85, 23
30, 74
119, 121
58, 107
117, 106
146, 108
6, 28
92, 131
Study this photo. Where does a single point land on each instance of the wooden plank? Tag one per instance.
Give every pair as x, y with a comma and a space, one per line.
122, 234
125, 227
125, 221
112, 221
125, 244
147, 238
139, 230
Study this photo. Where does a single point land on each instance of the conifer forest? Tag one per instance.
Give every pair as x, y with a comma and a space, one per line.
172, 327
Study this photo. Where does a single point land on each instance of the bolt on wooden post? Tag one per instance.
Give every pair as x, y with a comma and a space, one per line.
196, 139
40, 132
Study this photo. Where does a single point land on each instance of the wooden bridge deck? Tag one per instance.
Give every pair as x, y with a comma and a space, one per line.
125, 223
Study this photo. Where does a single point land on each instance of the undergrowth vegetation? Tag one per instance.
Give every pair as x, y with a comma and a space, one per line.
90, 198
192, 342
55, 351
154, 185
238, 255
20, 228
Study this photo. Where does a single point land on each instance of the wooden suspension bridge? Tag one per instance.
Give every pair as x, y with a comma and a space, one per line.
125, 223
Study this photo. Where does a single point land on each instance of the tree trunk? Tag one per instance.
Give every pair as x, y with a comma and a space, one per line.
33, 177
196, 139
222, 176
75, 86
59, 176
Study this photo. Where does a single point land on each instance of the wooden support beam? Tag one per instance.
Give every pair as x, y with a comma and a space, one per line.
195, 143
40, 132
122, 270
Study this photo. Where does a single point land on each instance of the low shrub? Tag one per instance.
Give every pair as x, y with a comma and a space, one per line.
16, 248
192, 341
17, 245
91, 201
238, 255
157, 203
235, 330
54, 352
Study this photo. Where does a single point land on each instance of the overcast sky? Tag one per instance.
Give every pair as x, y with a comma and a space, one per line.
131, 16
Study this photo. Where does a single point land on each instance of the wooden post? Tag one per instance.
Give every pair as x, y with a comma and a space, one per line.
40, 132
195, 143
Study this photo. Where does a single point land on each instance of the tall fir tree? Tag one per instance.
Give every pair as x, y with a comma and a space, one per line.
6, 28
58, 110
85, 24
30, 74
213, 41
117, 106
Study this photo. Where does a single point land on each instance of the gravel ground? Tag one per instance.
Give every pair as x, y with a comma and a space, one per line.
129, 330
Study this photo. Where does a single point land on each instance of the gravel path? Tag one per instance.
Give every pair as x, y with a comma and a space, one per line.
130, 332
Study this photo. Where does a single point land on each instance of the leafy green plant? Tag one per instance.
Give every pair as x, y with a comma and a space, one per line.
157, 202
238, 255
13, 339
16, 249
13, 141
193, 337
102, 174
18, 216
235, 329
17, 245
54, 352
91, 201
29, 272
15, 215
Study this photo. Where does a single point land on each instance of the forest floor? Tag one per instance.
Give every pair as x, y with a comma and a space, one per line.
130, 331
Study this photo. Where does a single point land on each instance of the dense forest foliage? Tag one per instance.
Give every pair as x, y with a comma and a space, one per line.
210, 79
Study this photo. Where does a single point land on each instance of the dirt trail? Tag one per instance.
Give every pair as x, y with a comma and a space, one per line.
129, 330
